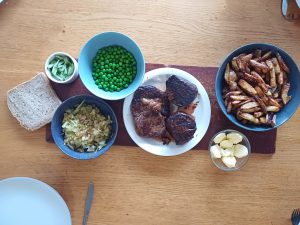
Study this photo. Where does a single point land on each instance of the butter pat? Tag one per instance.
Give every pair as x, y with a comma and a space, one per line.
220, 137
227, 152
226, 144
240, 151
235, 138
215, 151
229, 161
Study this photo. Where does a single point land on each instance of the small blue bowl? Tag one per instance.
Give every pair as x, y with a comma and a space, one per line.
294, 78
56, 124
89, 51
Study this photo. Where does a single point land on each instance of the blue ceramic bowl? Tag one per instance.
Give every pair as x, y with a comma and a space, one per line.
294, 78
56, 124
89, 51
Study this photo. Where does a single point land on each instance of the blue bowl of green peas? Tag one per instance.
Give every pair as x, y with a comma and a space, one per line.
111, 65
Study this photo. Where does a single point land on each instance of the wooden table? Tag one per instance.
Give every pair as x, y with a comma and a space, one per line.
132, 186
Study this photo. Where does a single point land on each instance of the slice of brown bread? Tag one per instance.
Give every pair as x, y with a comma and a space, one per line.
33, 102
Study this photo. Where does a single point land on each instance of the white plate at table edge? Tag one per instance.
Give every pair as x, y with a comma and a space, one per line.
202, 115
58, 214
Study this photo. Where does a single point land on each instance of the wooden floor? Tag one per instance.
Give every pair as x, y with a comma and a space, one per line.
133, 187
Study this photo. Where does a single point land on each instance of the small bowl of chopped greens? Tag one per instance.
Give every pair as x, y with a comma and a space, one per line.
61, 68
84, 127
111, 65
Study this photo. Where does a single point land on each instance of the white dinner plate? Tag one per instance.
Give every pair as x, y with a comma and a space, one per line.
202, 114
27, 201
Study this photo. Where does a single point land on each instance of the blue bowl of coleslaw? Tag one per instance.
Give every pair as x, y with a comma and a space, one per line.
58, 131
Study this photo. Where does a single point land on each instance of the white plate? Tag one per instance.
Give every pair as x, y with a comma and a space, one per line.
202, 114
27, 201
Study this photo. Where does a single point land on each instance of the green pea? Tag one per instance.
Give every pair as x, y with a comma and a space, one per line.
114, 68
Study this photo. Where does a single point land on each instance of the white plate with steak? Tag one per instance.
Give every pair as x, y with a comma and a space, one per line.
169, 114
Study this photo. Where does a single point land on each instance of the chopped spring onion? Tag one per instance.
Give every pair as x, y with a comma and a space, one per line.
61, 67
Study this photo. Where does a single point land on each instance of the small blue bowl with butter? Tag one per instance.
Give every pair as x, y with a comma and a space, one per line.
294, 79
89, 51
71, 103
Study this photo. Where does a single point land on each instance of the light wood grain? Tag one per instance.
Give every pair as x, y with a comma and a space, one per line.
132, 186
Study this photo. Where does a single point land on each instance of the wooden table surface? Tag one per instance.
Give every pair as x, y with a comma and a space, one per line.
133, 187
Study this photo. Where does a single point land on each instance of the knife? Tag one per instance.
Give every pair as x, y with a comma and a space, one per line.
88, 202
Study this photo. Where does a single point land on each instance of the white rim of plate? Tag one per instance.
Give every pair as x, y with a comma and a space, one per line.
178, 149
45, 185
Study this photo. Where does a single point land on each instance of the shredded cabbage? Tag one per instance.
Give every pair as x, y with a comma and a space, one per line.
85, 128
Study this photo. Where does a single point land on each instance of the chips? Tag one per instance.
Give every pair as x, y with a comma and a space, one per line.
257, 87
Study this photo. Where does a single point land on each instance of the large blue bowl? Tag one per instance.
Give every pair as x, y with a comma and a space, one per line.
294, 78
89, 51
56, 124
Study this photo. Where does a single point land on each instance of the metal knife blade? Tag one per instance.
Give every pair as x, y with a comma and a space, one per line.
88, 202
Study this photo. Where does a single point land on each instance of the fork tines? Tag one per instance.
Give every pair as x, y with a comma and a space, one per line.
295, 217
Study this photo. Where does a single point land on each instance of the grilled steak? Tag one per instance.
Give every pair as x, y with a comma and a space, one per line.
144, 92
181, 126
146, 108
180, 92
165, 115
150, 124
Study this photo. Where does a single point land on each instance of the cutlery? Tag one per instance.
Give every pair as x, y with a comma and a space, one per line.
88, 202
295, 217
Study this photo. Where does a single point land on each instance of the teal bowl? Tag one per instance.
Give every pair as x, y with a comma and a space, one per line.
56, 125
89, 51
294, 78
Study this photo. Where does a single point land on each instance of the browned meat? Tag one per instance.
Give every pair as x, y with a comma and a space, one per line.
180, 92
146, 108
150, 124
154, 111
145, 92
149, 92
181, 126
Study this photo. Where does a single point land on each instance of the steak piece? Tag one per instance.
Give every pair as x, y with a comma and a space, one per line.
181, 126
150, 124
147, 92
146, 108
180, 92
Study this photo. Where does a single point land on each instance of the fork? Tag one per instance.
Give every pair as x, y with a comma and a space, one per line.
295, 217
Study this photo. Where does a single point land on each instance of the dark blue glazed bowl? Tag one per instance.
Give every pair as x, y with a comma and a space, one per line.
294, 78
56, 124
